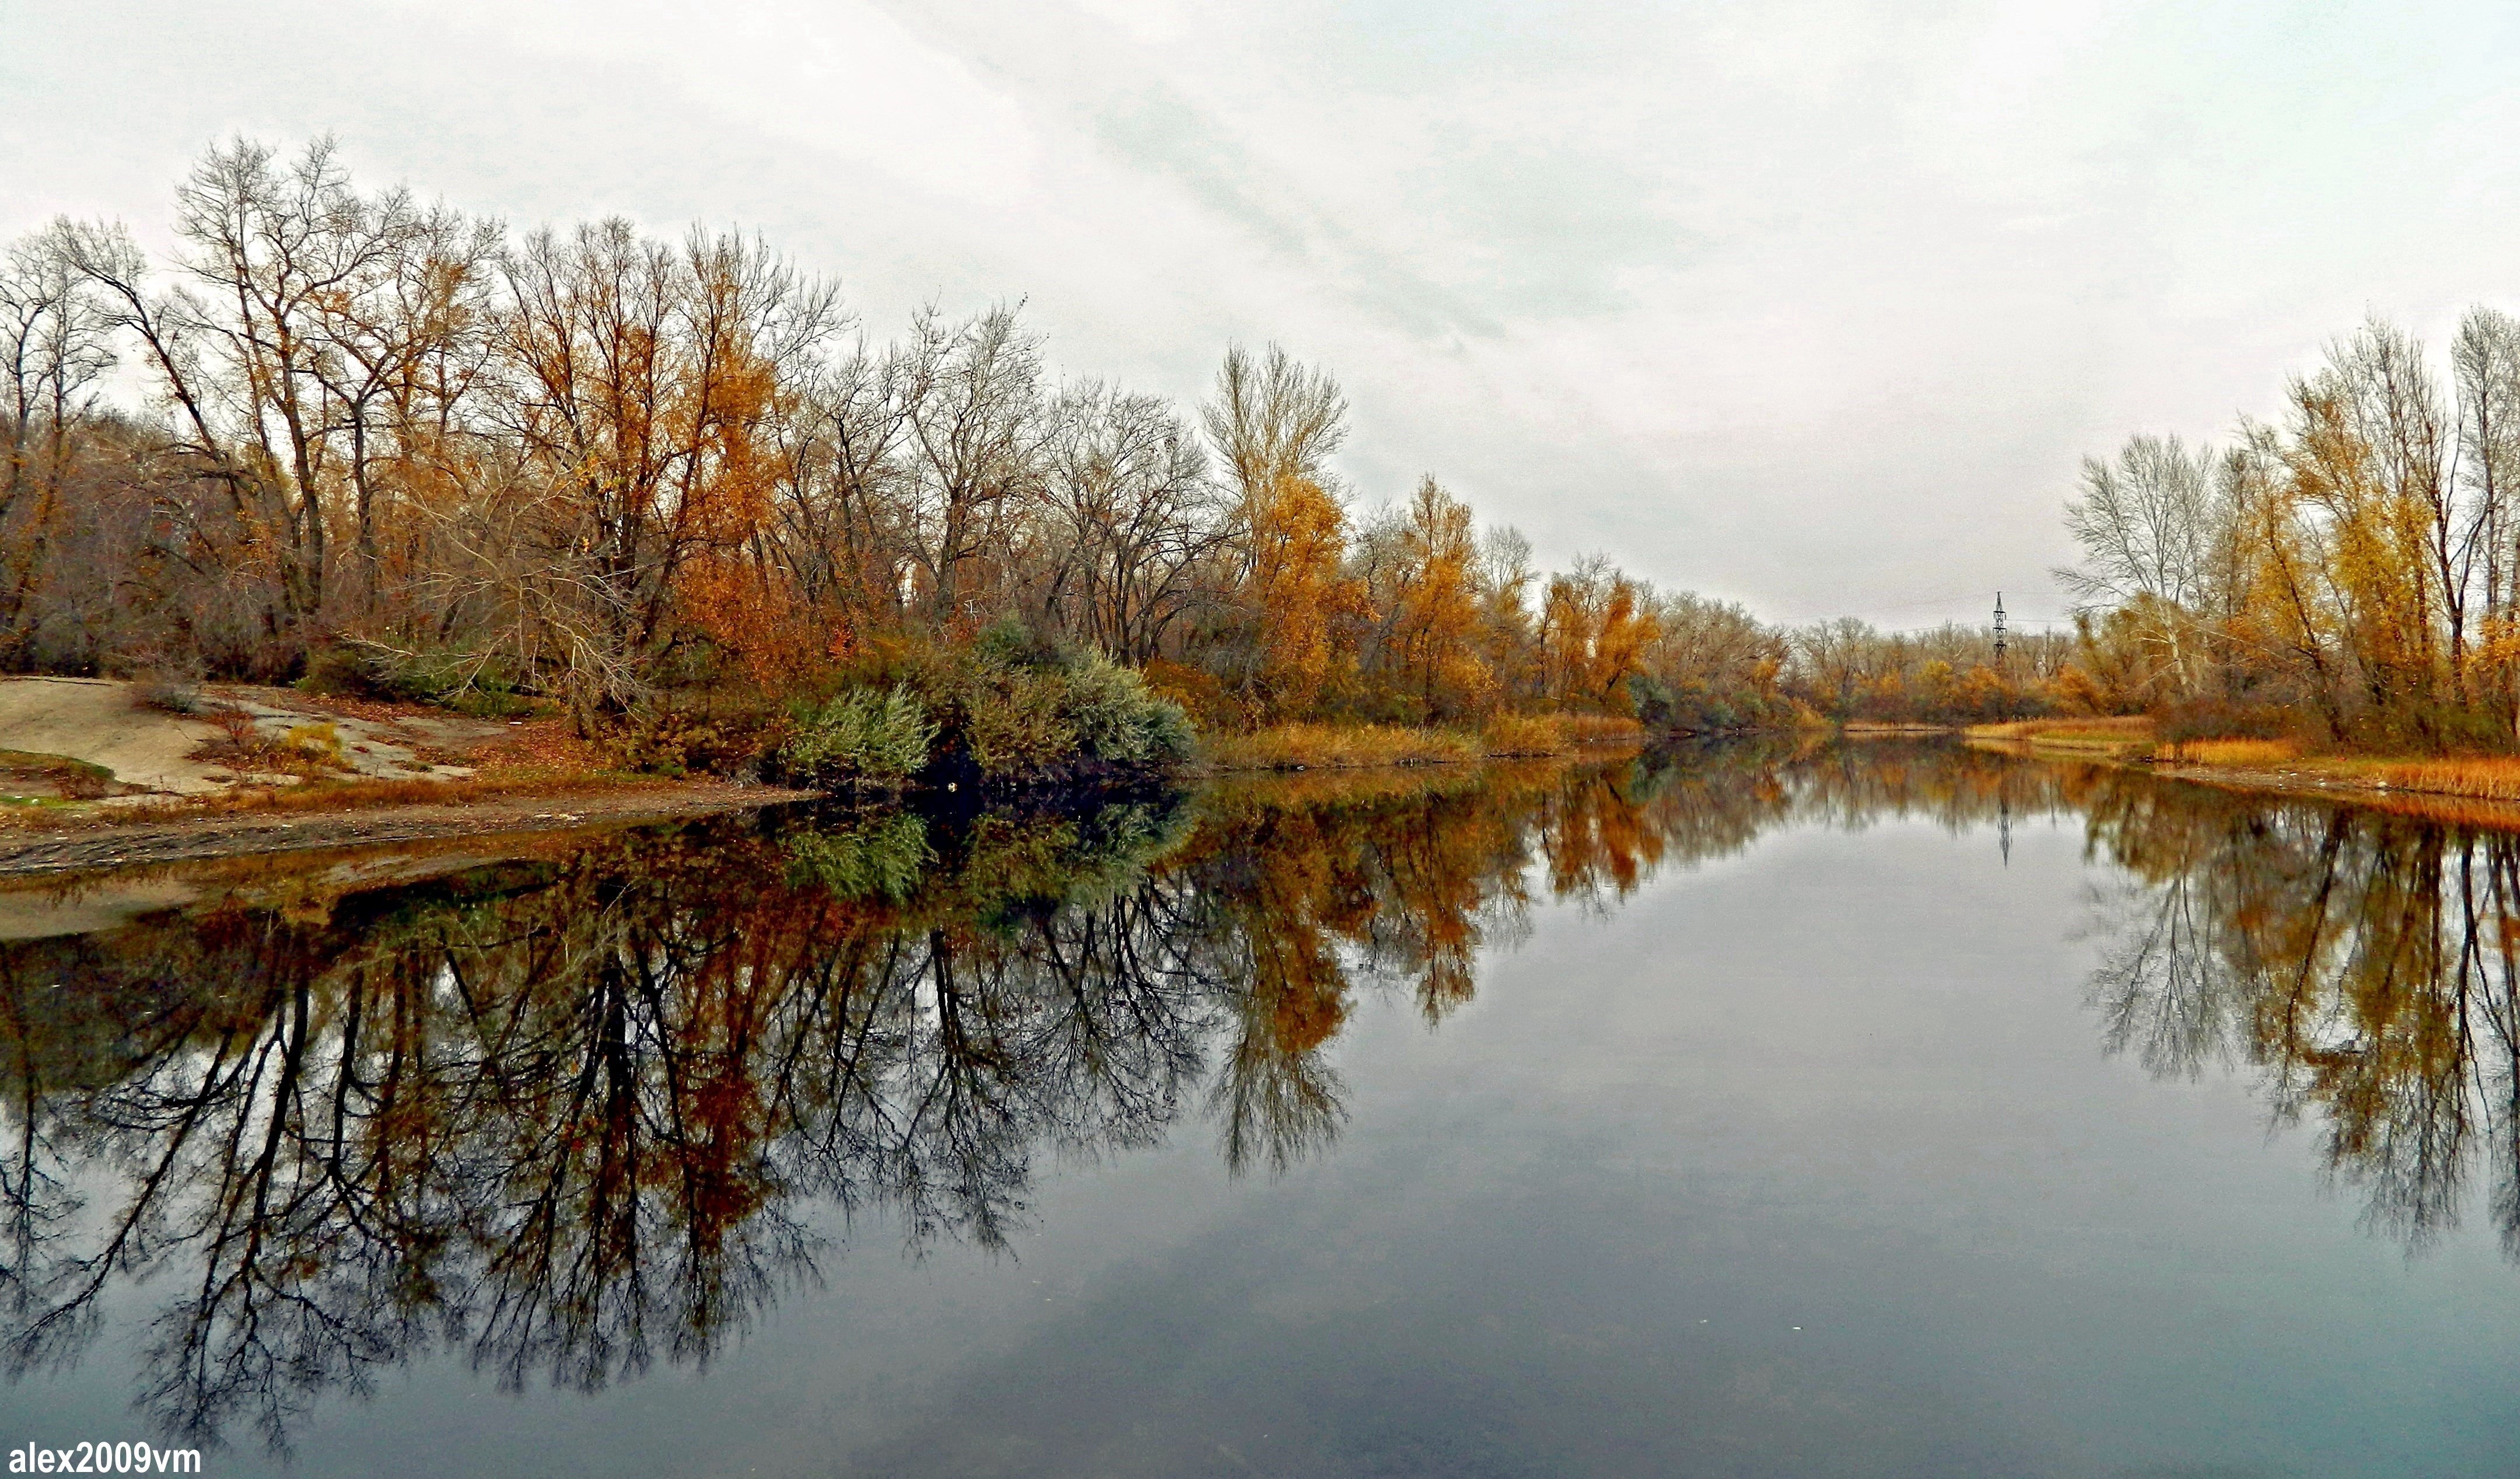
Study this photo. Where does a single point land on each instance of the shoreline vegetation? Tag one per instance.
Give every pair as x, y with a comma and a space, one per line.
2474, 788
669, 500
673, 493
1327, 746
2330, 599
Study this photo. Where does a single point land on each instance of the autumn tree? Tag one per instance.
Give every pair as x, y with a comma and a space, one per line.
1298, 600
1286, 638
1596, 627
643, 381
1435, 604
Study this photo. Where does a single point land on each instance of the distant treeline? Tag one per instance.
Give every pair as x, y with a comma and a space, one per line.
351, 435
2350, 568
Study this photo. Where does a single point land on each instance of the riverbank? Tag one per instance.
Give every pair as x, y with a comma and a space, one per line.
2480, 790
106, 774
308, 822
97, 773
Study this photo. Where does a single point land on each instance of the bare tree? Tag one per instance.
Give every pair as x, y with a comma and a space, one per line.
2151, 526
2485, 373
844, 513
1136, 521
1275, 419
399, 345
980, 425
54, 341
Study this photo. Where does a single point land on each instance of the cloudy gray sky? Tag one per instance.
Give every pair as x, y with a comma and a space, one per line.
1813, 305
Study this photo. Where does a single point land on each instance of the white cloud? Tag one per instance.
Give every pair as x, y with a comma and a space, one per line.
1814, 304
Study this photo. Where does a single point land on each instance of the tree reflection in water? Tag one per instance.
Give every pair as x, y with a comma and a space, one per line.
2362, 961
576, 1115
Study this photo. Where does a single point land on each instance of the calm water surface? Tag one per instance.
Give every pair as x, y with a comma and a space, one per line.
1871, 1111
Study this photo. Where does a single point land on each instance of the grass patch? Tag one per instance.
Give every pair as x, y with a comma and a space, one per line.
346, 795
2114, 729
354, 796
1315, 746
34, 777
1522, 734
2241, 754
1597, 729
2490, 776
2129, 736
1350, 747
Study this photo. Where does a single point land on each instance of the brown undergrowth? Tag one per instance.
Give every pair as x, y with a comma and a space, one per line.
1350, 747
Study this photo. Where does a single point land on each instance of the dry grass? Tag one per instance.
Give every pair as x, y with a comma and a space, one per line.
2480, 777
1312, 747
2118, 730
2491, 777
2432, 787
1349, 746
2239, 755
1597, 729
1522, 734
2085, 738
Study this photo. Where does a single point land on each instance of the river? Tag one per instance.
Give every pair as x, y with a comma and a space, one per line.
1873, 1109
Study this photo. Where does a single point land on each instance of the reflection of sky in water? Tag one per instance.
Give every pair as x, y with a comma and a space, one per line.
1805, 1161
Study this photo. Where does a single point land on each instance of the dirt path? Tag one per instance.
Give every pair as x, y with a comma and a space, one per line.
30, 852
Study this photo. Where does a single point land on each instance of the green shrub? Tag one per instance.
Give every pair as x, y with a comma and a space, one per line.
1012, 642
1121, 720
1011, 707
336, 670
1014, 720
862, 736
466, 682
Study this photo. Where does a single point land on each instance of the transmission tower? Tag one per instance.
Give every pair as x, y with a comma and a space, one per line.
1999, 629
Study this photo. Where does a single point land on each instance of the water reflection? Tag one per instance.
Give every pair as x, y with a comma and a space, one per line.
574, 1115
2362, 962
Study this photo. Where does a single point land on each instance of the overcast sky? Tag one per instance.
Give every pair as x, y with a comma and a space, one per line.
1815, 306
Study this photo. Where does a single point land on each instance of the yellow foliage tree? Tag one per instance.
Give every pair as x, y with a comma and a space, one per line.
1298, 599
1438, 607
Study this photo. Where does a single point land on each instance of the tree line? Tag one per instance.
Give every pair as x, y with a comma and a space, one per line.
348, 433
2351, 566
